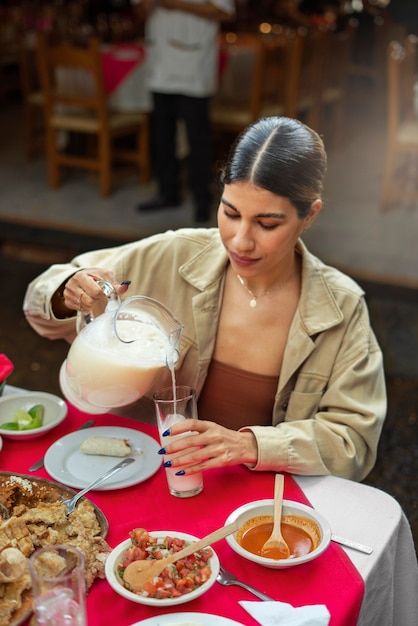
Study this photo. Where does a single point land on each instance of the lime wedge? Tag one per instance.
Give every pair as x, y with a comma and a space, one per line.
10, 426
37, 415
23, 419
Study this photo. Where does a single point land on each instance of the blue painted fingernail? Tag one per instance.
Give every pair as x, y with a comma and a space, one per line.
162, 451
167, 464
166, 433
180, 473
126, 282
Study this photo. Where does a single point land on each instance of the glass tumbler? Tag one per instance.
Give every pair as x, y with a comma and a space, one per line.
58, 586
173, 405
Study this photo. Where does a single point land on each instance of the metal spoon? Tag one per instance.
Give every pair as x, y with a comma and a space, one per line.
275, 547
71, 503
226, 578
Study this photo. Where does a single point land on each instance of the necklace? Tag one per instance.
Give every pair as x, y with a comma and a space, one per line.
254, 298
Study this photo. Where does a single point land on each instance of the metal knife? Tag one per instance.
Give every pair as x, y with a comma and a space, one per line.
352, 544
40, 463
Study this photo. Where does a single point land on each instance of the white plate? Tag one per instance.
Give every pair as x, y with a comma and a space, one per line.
174, 619
65, 462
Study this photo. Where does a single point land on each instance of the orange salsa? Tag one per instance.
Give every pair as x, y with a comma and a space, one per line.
301, 535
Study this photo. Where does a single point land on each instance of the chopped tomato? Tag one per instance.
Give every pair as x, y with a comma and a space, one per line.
180, 578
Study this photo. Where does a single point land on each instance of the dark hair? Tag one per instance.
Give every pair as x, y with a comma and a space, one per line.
281, 155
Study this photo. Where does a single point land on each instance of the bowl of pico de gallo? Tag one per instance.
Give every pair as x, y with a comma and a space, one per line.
180, 582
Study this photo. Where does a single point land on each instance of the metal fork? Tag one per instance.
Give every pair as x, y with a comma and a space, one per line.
71, 503
226, 578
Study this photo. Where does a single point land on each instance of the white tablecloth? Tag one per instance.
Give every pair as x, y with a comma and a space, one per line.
374, 518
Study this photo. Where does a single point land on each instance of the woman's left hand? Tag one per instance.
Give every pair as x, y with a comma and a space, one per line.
210, 445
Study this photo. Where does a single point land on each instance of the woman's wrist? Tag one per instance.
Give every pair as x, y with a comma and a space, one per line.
249, 448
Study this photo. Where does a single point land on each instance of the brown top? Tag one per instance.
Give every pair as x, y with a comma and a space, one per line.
236, 398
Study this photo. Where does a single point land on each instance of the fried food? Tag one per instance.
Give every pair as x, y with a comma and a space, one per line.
13, 565
38, 519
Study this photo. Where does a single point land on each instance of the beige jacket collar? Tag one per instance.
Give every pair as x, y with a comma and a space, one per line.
318, 308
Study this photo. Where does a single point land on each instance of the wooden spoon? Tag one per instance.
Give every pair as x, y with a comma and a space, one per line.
275, 547
139, 572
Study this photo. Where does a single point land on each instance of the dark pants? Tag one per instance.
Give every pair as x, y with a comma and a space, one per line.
168, 108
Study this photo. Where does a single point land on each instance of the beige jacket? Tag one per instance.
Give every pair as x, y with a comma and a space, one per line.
331, 399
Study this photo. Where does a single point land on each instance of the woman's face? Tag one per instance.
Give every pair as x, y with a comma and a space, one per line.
259, 229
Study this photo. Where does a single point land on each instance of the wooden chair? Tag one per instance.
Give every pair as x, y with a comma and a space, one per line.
399, 179
256, 81
75, 104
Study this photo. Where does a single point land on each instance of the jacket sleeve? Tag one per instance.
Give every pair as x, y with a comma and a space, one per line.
140, 261
334, 429
37, 302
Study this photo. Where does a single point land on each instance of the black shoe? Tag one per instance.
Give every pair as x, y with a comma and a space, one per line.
157, 203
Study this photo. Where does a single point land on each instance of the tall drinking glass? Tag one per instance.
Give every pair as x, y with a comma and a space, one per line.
170, 410
58, 586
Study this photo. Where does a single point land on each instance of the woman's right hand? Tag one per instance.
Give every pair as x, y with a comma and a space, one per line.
82, 293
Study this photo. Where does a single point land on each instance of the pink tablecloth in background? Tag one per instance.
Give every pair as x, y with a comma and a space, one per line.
119, 61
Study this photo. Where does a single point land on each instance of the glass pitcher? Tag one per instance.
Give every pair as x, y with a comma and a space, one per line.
117, 355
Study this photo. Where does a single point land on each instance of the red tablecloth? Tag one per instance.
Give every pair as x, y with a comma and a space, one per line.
118, 61
331, 579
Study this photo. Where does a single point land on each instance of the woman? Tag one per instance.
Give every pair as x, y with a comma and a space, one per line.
278, 345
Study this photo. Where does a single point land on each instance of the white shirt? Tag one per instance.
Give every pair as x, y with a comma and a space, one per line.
183, 51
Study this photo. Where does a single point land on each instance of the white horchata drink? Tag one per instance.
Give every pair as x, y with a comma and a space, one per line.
179, 484
105, 372
175, 404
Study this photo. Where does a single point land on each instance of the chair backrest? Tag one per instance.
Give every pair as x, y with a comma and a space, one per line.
242, 55
280, 73
257, 73
308, 82
72, 77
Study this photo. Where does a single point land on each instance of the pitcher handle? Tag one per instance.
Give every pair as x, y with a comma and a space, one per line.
113, 302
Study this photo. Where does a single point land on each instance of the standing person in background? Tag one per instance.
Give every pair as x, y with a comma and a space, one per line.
183, 65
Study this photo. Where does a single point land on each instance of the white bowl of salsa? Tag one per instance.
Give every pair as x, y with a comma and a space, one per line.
306, 532
169, 589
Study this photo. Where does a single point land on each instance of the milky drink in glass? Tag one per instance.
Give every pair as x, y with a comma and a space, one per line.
175, 404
